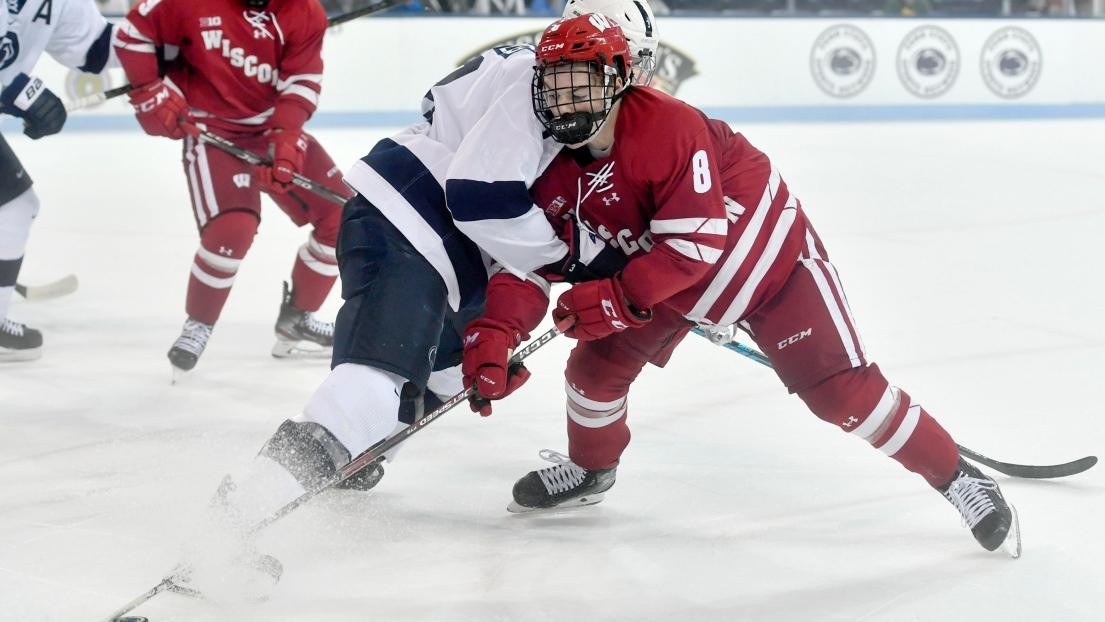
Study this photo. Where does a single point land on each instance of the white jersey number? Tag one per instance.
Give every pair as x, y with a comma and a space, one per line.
700, 166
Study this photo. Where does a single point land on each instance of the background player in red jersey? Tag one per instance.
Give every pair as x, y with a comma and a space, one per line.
712, 236
250, 71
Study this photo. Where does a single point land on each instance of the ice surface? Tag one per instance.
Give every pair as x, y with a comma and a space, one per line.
971, 253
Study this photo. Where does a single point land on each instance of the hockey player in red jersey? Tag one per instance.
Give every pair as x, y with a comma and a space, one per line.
710, 234
249, 71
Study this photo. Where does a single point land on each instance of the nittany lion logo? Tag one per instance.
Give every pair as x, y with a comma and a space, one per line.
1011, 62
928, 61
842, 61
9, 50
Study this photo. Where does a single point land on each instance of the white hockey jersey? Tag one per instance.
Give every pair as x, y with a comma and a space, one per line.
457, 185
73, 32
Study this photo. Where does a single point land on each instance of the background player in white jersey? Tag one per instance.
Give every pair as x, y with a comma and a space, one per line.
75, 34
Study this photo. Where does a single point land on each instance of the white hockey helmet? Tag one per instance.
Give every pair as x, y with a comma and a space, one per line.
637, 22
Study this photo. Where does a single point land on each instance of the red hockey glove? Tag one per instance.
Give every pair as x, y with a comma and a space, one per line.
599, 308
488, 345
287, 150
159, 109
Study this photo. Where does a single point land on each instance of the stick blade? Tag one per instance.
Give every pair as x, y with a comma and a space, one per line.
57, 289
1032, 471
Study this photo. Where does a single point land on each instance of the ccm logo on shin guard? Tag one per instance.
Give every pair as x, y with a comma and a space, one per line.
795, 338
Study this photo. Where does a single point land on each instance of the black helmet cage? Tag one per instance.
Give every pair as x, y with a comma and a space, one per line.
576, 127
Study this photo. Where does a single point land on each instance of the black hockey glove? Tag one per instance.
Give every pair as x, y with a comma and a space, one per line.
589, 257
28, 98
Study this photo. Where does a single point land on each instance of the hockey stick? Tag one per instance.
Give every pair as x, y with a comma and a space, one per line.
1026, 471
98, 98
303, 182
61, 287
368, 456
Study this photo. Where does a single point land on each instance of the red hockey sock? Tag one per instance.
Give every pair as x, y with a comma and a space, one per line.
313, 275
223, 243
861, 402
597, 431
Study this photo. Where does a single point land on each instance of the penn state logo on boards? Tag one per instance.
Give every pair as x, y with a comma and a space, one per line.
928, 61
842, 61
79, 84
1011, 62
673, 66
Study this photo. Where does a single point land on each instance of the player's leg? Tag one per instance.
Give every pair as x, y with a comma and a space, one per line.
315, 268
808, 332
387, 335
598, 376
227, 208
18, 208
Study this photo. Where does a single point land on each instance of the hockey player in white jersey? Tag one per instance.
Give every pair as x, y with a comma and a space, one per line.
439, 207
75, 34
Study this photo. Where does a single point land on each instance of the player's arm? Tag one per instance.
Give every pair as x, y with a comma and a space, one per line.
297, 93
158, 104
688, 228
487, 187
82, 39
26, 97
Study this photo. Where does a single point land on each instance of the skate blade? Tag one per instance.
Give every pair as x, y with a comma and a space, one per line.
515, 508
1012, 542
18, 356
284, 349
178, 375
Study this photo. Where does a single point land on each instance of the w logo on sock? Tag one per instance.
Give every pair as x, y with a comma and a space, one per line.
241, 180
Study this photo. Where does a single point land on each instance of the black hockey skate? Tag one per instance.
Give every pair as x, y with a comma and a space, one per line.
189, 346
19, 343
983, 508
365, 479
299, 334
565, 485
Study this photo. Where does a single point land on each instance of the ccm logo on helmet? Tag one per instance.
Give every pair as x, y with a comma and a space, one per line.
550, 47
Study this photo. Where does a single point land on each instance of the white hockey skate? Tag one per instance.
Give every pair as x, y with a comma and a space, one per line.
19, 343
299, 334
563, 486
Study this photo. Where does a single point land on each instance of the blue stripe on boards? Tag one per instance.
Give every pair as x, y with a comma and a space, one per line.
410, 178
733, 114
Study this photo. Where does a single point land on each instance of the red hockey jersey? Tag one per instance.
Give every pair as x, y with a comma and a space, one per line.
708, 225
240, 69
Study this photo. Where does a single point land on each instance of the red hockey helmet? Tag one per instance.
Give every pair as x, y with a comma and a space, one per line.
580, 62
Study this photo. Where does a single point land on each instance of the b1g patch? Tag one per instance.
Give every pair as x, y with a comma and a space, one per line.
928, 61
1011, 62
842, 61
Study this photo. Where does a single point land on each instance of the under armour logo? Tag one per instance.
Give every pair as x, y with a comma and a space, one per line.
226, 251
613, 198
241, 180
850, 421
